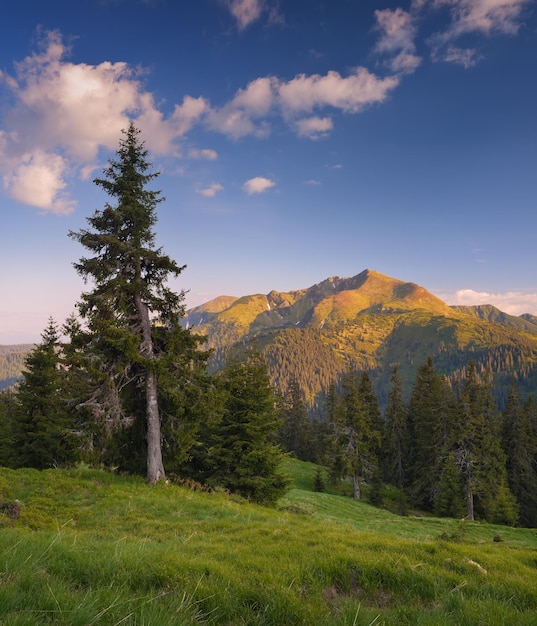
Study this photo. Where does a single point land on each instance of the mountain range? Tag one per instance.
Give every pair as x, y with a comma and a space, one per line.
369, 322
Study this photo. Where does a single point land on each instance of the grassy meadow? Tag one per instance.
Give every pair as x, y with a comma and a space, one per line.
85, 547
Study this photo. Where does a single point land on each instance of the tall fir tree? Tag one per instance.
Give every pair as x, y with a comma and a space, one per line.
480, 457
358, 436
395, 441
295, 433
42, 435
520, 449
429, 419
132, 336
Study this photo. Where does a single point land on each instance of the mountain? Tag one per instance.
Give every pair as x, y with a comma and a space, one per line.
371, 322
367, 322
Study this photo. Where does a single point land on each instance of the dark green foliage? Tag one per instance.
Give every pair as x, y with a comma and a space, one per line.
296, 432
479, 453
133, 348
450, 499
243, 456
430, 416
357, 430
395, 449
7, 418
319, 484
375, 495
43, 428
520, 447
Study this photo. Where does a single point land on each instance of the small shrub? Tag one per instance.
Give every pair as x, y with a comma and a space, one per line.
319, 484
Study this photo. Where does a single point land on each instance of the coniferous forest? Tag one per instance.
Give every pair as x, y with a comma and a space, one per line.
127, 386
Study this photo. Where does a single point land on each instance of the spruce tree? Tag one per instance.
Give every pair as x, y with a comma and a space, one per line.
480, 457
395, 442
243, 455
521, 457
356, 418
429, 418
295, 433
42, 434
133, 338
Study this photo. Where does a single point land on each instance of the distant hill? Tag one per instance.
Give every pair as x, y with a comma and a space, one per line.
371, 322
12, 363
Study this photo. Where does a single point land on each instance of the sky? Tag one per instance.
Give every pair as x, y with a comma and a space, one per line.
295, 140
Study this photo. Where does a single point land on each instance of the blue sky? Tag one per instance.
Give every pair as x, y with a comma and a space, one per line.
296, 140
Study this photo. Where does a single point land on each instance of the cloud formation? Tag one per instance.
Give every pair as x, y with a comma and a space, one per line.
245, 11
512, 302
485, 17
60, 116
259, 184
211, 190
397, 30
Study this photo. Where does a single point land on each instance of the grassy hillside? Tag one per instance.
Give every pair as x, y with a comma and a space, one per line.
87, 547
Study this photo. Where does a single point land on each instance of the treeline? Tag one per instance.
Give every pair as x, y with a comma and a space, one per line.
218, 430
448, 450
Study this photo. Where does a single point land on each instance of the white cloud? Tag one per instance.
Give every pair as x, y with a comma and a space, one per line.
211, 190
397, 33
351, 94
245, 11
487, 17
314, 127
62, 114
512, 302
239, 117
467, 57
259, 184
246, 113
39, 180
205, 153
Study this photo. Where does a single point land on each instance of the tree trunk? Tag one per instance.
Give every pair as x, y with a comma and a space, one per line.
470, 505
155, 467
356, 486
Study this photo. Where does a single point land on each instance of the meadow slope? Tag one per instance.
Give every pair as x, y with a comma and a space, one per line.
84, 547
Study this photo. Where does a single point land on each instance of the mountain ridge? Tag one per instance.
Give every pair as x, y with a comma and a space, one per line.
334, 297
368, 322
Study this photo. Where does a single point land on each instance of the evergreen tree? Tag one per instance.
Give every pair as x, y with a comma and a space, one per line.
7, 417
450, 499
42, 434
521, 457
395, 443
318, 482
133, 339
356, 417
243, 455
429, 418
295, 433
480, 457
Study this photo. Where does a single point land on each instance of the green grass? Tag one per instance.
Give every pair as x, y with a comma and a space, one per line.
89, 547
